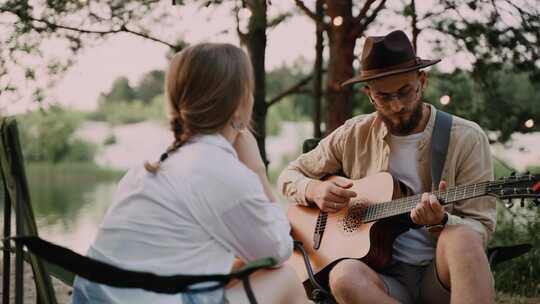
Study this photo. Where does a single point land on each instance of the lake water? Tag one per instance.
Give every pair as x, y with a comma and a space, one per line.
69, 203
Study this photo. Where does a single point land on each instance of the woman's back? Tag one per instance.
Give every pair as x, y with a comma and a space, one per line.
202, 208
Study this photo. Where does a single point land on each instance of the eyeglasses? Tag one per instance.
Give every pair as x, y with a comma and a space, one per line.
405, 95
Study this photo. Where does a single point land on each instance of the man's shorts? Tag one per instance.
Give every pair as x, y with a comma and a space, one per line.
414, 284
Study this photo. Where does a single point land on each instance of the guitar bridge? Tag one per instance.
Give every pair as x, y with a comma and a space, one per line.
319, 229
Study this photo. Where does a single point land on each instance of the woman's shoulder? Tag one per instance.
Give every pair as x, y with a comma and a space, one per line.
212, 169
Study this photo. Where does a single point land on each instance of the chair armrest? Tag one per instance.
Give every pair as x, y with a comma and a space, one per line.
253, 266
497, 255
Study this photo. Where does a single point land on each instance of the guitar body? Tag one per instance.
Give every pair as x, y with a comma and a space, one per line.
344, 235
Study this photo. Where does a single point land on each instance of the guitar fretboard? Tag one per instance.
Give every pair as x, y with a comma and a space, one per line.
403, 205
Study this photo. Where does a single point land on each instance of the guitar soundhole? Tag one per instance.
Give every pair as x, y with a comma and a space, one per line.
353, 219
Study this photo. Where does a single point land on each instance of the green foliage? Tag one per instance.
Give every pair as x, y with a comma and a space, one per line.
48, 136
285, 110
483, 29
121, 91
502, 101
282, 78
516, 226
110, 140
123, 112
60, 191
150, 86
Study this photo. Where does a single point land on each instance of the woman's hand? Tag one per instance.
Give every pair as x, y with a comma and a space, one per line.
248, 151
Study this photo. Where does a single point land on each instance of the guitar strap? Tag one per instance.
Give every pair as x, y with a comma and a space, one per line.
439, 145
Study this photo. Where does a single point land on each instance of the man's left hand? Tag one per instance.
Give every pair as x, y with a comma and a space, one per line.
429, 211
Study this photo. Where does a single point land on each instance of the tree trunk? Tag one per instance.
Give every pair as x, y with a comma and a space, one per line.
256, 45
317, 71
340, 68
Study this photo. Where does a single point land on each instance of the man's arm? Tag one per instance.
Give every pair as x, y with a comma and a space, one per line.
473, 166
310, 167
478, 213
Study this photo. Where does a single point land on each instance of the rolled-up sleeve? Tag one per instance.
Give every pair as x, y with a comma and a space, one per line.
258, 228
325, 159
476, 167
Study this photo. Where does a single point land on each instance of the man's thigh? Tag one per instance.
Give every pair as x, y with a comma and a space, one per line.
432, 289
414, 284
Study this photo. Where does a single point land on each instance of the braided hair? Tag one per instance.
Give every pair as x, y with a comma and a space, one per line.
205, 85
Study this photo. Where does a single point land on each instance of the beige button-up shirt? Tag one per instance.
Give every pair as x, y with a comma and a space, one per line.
360, 148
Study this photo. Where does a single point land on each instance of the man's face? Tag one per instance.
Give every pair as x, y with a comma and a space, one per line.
398, 101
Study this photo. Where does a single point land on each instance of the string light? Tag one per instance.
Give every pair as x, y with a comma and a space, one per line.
445, 100
529, 123
244, 13
338, 21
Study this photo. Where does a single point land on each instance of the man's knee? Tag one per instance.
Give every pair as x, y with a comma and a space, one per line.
461, 240
354, 275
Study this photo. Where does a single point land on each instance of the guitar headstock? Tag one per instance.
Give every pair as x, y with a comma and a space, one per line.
516, 186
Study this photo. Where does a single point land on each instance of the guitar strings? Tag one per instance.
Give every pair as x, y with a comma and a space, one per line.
403, 205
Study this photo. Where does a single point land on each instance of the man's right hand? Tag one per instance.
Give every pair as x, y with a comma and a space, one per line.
330, 195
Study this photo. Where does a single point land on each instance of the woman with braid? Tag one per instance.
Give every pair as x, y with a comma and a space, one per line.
206, 206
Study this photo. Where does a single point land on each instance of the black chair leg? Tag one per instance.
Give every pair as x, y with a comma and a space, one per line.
249, 291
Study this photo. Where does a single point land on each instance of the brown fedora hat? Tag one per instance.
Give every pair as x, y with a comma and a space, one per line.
388, 55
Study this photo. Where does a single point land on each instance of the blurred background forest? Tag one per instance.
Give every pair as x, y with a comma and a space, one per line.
75, 156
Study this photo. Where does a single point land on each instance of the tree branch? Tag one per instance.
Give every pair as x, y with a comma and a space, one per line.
374, 14
172, 46
123, 28
278, 19
293, 89
241, 35
362, 14
300, 4
414, 25
359, 30
311, 14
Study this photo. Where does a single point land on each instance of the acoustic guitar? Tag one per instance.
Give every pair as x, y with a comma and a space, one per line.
367, 231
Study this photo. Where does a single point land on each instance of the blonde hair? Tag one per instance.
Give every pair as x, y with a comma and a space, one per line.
205, 85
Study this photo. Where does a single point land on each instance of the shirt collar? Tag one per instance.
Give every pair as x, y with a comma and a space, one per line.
215, 139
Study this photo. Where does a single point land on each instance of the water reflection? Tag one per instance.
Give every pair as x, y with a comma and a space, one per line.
69, 202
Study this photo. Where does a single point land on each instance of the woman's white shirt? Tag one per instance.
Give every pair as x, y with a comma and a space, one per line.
200, 210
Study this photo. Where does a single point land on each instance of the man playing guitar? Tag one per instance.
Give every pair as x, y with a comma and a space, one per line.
440, 260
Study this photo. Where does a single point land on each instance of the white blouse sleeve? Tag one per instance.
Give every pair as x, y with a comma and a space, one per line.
257, 229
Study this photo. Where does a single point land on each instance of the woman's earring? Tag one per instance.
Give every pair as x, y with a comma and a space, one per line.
238, 126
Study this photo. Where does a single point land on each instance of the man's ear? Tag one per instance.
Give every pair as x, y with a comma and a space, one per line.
422, 76
366, 89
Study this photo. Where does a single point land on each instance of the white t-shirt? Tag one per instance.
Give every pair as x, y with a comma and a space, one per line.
201, 209
416, 246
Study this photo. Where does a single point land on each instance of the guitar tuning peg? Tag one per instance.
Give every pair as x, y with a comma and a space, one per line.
509, 204
522, 203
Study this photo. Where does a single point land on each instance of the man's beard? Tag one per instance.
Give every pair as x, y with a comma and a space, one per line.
404, 126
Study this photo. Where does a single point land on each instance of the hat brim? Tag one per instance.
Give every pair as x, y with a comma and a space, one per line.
422, 64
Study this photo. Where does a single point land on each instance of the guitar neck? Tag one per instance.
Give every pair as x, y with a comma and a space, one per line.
406, 204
